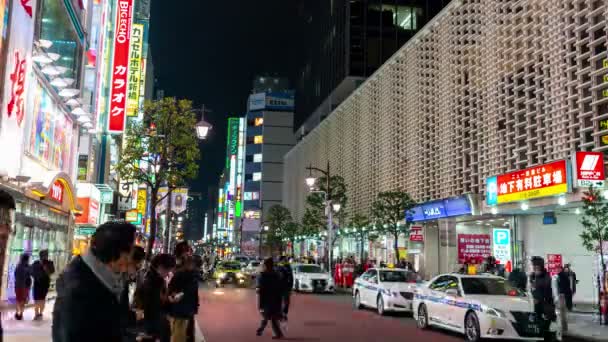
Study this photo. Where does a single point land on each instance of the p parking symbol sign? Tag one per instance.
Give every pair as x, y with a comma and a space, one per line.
501, 241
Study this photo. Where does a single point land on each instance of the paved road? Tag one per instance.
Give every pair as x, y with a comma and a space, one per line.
230, 314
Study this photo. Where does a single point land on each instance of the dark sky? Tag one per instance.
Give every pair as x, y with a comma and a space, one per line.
209, 51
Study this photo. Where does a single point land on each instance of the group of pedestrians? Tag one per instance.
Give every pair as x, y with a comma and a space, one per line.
37, 274
93, 293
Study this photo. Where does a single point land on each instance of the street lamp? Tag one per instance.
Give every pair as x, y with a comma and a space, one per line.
336, 207
202, 129
310, 181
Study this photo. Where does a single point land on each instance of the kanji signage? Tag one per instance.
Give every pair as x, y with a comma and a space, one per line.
118, 86
539, 181
554, 263
131, 216
142, 201
473, 247
56, 191
16, 101
416, 234
135, 69
589, 169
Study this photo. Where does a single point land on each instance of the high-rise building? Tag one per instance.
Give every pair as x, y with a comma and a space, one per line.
348, 41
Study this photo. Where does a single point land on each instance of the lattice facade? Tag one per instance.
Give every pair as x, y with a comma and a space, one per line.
489, 86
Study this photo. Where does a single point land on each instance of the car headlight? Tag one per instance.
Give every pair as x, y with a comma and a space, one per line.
221, 275
240, 275
496, 312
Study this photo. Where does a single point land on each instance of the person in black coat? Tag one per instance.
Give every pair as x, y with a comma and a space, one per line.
184, 284
518, 278
88, 307
130, 316
270, 289
542, 293
42, 270
284, 269
155, 297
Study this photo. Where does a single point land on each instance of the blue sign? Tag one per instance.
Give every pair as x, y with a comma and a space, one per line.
449, 207
491, 191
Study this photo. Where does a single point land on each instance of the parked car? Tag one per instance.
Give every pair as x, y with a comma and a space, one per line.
385, 289
311, 278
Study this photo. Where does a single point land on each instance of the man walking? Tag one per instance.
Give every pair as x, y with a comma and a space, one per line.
284, 269
270, 288
42, 270
571, 278
88, 305
542, 293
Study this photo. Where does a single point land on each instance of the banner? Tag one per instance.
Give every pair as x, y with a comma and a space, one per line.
473, 248
180, 200
118, 86
135, 69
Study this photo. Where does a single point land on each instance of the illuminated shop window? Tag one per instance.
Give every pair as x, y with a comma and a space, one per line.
258, 139
257, 158
251, 196
257, 176
259, 121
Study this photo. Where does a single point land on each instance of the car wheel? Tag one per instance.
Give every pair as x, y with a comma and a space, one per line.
380, 306
357, 301
471, 328
423, 317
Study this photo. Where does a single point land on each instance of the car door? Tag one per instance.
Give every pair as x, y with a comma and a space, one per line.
452, 296
434, 300
362, 284
371, 288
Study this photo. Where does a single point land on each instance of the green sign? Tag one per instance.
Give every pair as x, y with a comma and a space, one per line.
85, 231
233, 139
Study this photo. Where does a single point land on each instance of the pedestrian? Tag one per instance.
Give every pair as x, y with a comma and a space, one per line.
572, 280
542, 293
182, 249
130, 313
565, 287
184, 284
88, 304
23, 284
156, 299
518, 278
284, 269
269, 288
42, 270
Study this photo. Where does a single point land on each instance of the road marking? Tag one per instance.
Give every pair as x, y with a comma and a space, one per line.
198, 334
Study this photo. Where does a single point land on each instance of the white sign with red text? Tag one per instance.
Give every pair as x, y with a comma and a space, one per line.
56, 191
416, 234
118, 88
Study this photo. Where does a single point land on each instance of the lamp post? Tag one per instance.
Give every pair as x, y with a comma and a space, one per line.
329, 206
266, 228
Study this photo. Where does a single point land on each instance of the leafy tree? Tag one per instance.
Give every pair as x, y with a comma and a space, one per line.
595, 223
389, 210
315, 214
289, 233
277, 220
161, 150
359, 225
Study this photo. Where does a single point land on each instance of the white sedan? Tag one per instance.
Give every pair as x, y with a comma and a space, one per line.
311, 278
478, 306
385, 289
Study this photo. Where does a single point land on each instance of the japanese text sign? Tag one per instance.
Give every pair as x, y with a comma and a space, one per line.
501, 238
539, 181
142, 201
589, 169
56, 191
473, 247
554, 263
118, 87
416, 234
135, 69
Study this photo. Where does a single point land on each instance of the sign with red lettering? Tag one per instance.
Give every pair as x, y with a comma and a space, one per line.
56, 192
554, 263
15, 104
118, 86
589, 169
539, 181
416, 234
473, 248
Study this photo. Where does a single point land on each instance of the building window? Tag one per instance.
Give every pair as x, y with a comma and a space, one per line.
257, 176
259, 121
252, 196
257, 158
258, 139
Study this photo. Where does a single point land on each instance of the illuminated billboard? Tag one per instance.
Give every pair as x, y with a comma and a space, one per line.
135, 69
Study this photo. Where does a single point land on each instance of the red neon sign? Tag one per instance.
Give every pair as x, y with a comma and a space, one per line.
16, 104
56, 192
118, 87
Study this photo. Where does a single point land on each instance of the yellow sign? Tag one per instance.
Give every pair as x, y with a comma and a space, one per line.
535, 193
135, 58
147, 226
142, 196
131, 216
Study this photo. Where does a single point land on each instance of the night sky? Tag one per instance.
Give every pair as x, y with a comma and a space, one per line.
208, 51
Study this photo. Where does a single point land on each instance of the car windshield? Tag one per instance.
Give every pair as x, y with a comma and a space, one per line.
309, 269
231, 266
397, 276
489, 286
255, 264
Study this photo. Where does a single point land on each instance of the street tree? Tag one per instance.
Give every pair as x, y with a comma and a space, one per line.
359, 228
290, 231
161, 150
277, 220
595, 224
389, 212
316, 214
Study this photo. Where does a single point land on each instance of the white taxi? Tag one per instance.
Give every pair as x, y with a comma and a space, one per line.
311, 278
478, 306
385, 289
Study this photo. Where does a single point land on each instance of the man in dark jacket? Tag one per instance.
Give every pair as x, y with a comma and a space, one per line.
518, 278
42, 270
184, 282
542, 293
88, 305
155, 297
270, 288
286, 273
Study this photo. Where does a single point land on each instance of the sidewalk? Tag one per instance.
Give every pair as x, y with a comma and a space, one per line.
28, 330
586, 326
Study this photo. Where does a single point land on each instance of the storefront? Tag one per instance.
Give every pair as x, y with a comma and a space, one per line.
89, 198
547, 209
